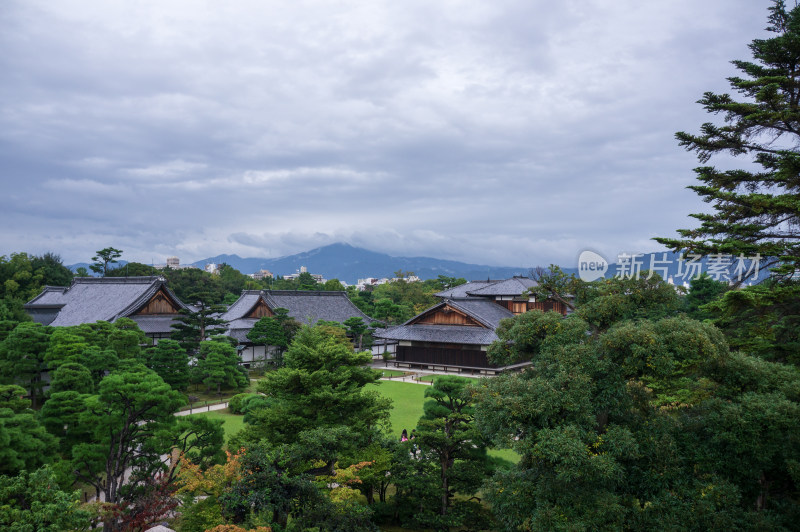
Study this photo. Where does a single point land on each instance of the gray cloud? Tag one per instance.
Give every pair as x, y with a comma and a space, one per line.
511, 132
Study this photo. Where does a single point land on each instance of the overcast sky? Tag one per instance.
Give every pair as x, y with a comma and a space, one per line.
502, 132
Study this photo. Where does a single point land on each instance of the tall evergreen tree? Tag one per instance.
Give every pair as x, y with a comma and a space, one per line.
200, 324
268, 332
170, 361
447, 436
320, 387
756, 211
22, 357
219, 365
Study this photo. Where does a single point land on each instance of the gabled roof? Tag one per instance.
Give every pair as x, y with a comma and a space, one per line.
515, 286
462, 289
50, 296
244, 304
486, 312
90, 299
306, 306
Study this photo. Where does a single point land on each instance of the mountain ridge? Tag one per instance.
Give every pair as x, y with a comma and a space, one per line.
349, 263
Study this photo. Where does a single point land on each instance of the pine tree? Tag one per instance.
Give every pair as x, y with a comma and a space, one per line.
200, 324
22, 357
219, 364
170, 361
756, 211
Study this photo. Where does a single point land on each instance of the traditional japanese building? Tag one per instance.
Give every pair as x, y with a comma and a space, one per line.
455, 334
307, 307
145, 300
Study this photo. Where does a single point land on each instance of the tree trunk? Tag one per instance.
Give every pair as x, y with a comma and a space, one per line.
281, 518
761, 500
445, 484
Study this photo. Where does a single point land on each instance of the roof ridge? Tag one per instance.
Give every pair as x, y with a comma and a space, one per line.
308, 292
139, 279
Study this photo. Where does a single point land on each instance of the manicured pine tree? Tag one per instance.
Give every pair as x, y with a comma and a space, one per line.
219, 365
200, 324
170, 361
22, 357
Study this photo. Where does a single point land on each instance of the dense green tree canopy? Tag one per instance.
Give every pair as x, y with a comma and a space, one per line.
33, 501
128, 417
633, 416
24, 443
22, 357
170, 361
321, 386
218, 365
446, 435
72, 377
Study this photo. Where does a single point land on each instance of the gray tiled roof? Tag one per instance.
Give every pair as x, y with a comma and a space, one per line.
51, 295
509, 287
238, 329
455, 334
90, 299
242, 306
155, 324
461, 290
307, 307
304, 306
311, 306
484, 311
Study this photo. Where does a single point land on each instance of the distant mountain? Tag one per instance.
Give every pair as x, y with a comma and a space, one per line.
348, 263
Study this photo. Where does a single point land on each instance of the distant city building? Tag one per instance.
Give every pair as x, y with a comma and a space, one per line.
370, 282
261, 274
292, 276
173, 263
212, 268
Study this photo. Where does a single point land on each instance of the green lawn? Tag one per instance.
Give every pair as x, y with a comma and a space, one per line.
231, 423
204, 397
407, 399
390, 372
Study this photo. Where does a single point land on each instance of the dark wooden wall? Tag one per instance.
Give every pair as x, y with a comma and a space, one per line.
438, 356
